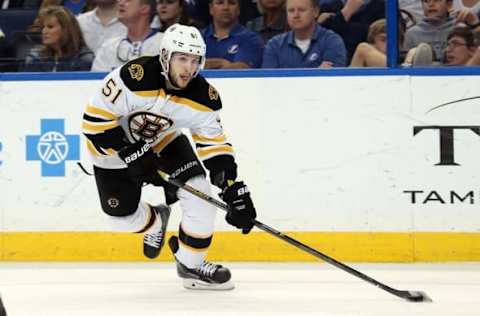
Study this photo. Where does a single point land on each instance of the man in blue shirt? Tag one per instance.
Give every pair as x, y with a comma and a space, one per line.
307, 45
229, 44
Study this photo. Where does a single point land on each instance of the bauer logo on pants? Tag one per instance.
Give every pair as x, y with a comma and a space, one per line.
52, 147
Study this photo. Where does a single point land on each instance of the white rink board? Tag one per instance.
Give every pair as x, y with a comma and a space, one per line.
319, 154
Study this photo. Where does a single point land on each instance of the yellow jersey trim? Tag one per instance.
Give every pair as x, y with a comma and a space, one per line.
165, 141
100, 112
203, 139
98, 127
202, 152
91, 148
190, 103
149, 93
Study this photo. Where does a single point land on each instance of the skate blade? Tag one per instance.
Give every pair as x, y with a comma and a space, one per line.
193, 284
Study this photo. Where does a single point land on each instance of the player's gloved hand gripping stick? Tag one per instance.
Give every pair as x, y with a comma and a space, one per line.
241, 211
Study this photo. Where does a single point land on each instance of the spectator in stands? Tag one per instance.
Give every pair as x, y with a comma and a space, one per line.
74, 6
3, 45
273, 20
19, 4
351, 19
199, 10
307, 45
63, 47
466, 5
433, 28
475, 60
373, 52
230, 45
101, 24
248, 11
461, 47
170, 12
141, 39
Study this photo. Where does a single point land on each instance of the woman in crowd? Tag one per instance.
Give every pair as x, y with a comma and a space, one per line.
63, 47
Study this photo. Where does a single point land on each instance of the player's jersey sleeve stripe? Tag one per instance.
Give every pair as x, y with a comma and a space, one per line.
167, 139
98, 127
197, 145
190, 103
97, 150
210, 151
98, 112
111, 151
198, 139
91, 148
94, 119
107, 142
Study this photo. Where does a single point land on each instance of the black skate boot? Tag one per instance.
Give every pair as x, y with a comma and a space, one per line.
209, 276
153, 241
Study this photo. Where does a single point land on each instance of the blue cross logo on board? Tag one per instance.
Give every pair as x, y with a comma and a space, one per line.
53, 147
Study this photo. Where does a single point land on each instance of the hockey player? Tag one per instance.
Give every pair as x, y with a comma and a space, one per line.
133, 128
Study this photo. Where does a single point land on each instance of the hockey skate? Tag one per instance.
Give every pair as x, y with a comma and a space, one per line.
153, 241
208, 276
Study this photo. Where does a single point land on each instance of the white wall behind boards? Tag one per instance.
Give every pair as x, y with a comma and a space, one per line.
319, 153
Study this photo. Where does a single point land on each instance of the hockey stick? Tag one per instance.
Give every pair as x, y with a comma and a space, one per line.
412, 296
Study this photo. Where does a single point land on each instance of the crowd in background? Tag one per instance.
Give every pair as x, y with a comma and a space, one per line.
100, 35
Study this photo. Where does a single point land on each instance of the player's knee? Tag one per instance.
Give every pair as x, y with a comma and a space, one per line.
200, 183
197, 181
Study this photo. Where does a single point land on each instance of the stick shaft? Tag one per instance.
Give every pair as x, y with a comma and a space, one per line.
290, 240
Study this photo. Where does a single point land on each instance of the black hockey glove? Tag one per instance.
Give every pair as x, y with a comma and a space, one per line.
142, 166
242, 212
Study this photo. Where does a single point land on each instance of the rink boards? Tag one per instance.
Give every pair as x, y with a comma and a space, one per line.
378, 168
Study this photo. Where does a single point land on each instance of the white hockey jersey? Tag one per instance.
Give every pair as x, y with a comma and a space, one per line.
136, 93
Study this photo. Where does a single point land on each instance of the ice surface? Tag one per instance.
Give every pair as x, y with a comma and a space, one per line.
54, 289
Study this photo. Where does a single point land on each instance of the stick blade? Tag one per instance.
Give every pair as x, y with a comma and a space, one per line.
417, 296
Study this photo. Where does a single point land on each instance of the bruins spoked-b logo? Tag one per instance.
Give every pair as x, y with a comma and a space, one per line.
136, 71
113, 202
147, 126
